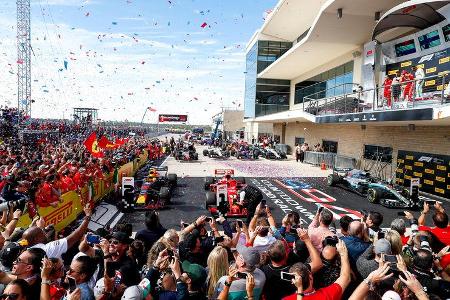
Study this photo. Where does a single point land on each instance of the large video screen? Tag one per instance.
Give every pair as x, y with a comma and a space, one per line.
405, 48
429, 40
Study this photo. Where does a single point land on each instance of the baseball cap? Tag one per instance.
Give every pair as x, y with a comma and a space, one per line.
122, 237
134, 292
382, 246
195, 272
391, 295
251, 256
9, 254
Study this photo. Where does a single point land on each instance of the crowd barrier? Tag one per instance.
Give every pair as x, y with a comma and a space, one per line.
71, 204
331, 160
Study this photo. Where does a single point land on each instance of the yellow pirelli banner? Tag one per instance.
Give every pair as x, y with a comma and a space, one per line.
71, 205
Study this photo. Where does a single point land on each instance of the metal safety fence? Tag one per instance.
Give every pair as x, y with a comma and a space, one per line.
331, 160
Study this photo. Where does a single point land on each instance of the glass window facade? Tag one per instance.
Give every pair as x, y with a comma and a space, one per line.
265, 96
334, 82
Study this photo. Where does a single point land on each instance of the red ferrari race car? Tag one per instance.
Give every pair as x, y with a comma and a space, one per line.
230, 196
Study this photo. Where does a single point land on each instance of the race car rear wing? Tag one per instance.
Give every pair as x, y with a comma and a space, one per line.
163, 168
223, 172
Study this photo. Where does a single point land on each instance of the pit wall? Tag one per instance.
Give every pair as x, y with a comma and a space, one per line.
71, 205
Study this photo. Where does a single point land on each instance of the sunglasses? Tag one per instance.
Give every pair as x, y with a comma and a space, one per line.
12, 296
114, 242
20, 261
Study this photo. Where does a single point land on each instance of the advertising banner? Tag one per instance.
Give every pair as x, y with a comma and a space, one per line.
433, 170
71, 205
172, 118
379, 116
433, 64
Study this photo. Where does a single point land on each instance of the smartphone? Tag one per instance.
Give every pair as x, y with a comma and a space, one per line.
331, 241
219, 239
287, 276
111, 268
319, 210
184, 225
240, 223
423, 238
430, 202
72, 284
241, 275
170, 252
117, 279
401, 214
93, 239
208, 219
390, 258
381, 235
263, 203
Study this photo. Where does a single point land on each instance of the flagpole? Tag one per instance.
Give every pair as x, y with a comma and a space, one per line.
142, 122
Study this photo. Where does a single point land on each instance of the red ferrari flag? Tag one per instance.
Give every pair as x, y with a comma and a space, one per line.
104, 143
151, 109
91, 145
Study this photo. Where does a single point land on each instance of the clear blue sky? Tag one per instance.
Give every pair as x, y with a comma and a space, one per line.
126, 55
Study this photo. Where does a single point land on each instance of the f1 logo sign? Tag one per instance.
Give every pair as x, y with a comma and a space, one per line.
426, 58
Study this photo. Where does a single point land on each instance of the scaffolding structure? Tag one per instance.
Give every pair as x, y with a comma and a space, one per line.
85, 116
23, 60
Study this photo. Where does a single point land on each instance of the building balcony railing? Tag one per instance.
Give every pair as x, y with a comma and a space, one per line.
268, 109
427, 92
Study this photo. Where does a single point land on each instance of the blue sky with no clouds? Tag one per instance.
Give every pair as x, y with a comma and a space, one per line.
124, 55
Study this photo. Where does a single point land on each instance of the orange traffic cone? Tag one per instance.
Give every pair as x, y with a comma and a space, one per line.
323, 166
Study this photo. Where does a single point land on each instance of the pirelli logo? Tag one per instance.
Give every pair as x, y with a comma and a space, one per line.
430, 70
440, 191
444, 60
400, 161
430, 82
410, 157
440, 179
59, 214
417, 174
400, 171
392, 72
429, 182
408, 177
442, 168
429, 171
408, 167
405, 64
421, 66
418, 164
439, 87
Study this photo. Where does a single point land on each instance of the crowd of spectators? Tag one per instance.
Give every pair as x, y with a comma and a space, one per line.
207, 258
223, 259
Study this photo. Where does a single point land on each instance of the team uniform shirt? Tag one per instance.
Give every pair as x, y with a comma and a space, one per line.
237, 289
332, 292
54, 249
443, 234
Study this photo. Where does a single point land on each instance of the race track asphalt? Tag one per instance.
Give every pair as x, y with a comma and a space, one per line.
303, 195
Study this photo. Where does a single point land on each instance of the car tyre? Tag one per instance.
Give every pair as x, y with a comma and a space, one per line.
208, 181
164, 195
210, 199
172, 178
373, 195
240, 179
332, 179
